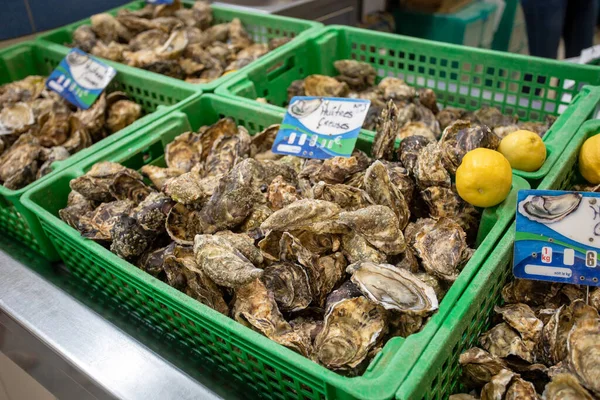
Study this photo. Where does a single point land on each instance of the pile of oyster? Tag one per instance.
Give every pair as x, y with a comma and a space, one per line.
547, 341
418, 107
38, 127
329, 258
172, 40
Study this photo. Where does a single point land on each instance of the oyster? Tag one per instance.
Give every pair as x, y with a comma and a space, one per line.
98, 223
289, 284
479, 367
461, 137
429, 169
301, 214
356, 248
380, 189
224, 264
159, 176
358, 75
549, 209
129, 239
393, 288
378, 225
280, 193
442, 248
255, 307
121, 114
109, 29
57, 153
565, 387
522, 319
338, 169
189, 188
127, 184
321, 85
428, 98
396, 89
390, 122
409, 150
244, 244
183, 224
583, 356
184, 152
77, 206
347, 197
415, 129
16, 119
503, 341
497, 387
351, 329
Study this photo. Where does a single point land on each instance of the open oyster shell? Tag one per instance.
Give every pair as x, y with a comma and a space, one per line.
393, 288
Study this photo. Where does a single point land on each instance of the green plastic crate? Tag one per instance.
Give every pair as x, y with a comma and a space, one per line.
461, 77
273, 370
472, 25
261, 27
32, 58
436, 374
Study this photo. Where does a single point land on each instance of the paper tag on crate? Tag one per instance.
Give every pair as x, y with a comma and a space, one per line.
558, 237
80, 78
321, 127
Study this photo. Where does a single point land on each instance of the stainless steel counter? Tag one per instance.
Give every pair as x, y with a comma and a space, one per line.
77, 352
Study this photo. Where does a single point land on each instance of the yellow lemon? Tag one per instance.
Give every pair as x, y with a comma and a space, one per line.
524, 150
483, 178
589, 160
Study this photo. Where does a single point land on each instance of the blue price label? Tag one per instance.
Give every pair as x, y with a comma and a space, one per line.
321, 127
157, 2
80, 78
558, 237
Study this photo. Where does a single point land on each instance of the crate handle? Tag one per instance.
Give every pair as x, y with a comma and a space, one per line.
278, 69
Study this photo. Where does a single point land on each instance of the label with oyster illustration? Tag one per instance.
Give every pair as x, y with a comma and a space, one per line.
321, 127
80, 78
558, 237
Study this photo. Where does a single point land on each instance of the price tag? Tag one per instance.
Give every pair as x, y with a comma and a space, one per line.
157, 2
321, 127
558, 237
80, 78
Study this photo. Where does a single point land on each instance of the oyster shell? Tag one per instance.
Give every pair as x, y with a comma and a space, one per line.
442, 248
416, 128
289, 284
378, 225
280, 193
396, 89
321, 85
479, 367
356, 248
224, 264
159, 176
429, 169
184, 152
357, 74
347, 197
503, 341
583, 356
393, 288
390, 122
122, 114
549, 209
351, 329
16, 118
129, 239
522, 318
98, 223
379, 187
565, 387
338, 169
183, 224
57, 153
497, 387
461, 137
77, 206
409, 150
301, 215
